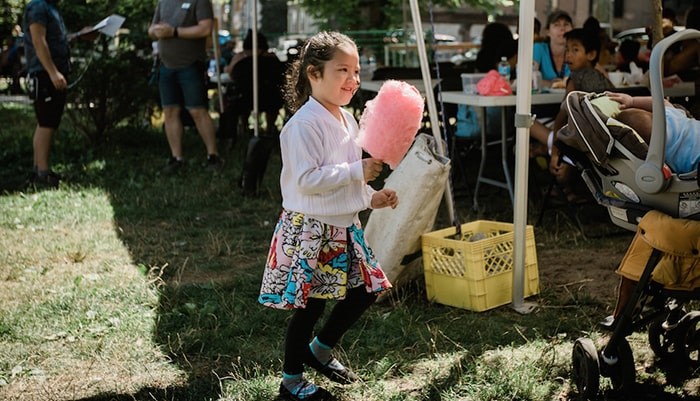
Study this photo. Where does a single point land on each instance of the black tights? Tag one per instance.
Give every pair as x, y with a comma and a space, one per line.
344, 314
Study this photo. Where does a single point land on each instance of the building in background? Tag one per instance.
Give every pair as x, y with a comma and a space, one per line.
285, 20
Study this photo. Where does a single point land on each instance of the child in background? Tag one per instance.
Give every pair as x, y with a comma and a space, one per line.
582, 49
318, 250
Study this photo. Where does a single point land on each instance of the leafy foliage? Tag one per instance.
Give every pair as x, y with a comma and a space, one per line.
10, 15
274, 16
111, 74
344, 16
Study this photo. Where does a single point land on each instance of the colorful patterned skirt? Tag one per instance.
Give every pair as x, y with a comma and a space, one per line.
308, 258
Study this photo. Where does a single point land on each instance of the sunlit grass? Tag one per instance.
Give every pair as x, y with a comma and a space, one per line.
126, 284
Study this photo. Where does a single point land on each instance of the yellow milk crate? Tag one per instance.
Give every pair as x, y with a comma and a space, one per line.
475, 271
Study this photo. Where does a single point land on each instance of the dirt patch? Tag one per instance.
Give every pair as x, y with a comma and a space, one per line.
581, 272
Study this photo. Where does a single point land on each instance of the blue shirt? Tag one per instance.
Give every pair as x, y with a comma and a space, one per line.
543, 56
43, 13
682, 151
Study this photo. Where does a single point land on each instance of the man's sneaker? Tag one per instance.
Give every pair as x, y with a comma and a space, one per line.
214, 163
173, 166
45, 179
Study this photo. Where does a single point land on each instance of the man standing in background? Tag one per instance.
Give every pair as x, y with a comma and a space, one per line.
48, 64
182, 29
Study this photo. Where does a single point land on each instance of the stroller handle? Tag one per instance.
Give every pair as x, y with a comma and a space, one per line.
649, 176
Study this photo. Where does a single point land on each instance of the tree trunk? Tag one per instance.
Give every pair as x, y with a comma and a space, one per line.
656, 28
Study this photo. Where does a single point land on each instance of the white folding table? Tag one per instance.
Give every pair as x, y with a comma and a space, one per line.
682, 89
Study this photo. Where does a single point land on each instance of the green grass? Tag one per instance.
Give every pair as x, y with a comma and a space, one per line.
125, 284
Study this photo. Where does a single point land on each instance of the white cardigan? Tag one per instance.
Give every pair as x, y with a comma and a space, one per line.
322, 173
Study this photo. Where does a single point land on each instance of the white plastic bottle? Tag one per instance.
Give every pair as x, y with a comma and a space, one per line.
536, 79
504, 68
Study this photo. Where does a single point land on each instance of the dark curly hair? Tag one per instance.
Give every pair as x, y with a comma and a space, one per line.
315, 52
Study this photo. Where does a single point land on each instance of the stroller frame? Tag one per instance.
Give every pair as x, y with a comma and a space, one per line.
673, 333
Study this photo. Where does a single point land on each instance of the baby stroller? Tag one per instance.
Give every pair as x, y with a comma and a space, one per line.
661, 269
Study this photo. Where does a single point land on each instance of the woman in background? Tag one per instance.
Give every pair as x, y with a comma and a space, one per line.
549, 56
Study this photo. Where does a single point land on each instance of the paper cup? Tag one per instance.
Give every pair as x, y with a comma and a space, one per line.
616, 77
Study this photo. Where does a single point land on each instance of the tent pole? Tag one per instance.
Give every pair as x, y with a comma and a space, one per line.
217, 52
430, 98
254, 24
523, 121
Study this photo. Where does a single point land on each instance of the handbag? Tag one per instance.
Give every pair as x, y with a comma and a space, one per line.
419, 180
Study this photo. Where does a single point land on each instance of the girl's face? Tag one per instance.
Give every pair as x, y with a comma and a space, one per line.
557, 29
339, 81
577, 57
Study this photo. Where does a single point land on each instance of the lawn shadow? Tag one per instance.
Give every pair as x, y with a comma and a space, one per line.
206, 244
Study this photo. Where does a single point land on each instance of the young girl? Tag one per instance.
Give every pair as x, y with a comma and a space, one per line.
318, 250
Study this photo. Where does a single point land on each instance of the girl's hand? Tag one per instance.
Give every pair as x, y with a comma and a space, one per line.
371, 168
383, 198
624, 99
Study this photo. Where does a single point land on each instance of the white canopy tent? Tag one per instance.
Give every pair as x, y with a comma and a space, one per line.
523, 121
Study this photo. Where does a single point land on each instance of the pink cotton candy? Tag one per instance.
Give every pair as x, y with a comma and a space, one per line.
390, 121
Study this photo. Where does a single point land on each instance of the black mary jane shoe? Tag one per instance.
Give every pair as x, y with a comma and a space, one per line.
333, 370
321, 394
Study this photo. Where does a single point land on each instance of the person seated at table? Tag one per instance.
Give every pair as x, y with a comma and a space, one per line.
582, 49
239, 93
607, 46
549, 56
263, 50
496, 42
627, 54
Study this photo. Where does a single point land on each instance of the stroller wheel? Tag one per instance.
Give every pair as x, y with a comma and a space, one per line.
622, 374
689, 332
585, 368
663, 342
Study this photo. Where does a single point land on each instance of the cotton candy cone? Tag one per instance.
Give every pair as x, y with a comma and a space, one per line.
390, 121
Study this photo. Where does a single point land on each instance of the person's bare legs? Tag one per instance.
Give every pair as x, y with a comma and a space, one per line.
205, 127
42, 147
173, 130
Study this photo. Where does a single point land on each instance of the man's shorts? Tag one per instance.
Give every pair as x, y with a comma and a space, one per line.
183, 86
48, 102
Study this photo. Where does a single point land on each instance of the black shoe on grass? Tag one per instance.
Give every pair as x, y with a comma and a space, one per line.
173, 166
214, 163
45, 179
301, 393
